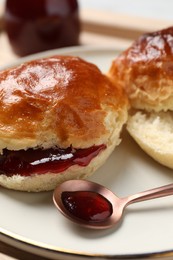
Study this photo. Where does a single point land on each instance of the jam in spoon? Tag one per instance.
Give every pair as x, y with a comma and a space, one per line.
94, 206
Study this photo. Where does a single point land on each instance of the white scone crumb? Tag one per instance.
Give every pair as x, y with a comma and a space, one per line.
154, 133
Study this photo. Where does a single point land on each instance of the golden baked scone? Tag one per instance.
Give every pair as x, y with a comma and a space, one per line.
145, 71
60, 119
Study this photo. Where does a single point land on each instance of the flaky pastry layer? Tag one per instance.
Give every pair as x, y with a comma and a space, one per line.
49, 181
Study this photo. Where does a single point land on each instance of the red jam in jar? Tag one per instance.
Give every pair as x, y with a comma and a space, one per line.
38, 25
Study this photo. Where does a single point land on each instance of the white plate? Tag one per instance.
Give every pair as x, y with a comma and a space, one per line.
31, 222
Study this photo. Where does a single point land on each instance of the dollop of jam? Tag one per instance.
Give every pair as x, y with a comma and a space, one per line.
87, 205
39, 161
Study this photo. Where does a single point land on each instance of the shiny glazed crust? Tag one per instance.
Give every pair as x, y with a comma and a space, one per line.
145, 71
59, 101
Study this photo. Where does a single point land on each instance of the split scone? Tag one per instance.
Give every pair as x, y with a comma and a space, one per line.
60, 119
145, 71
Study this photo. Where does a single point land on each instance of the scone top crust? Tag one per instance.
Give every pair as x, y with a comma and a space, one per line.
56, 101
145, 71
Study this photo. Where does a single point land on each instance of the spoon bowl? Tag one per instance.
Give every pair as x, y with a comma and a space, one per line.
93, 206
83, 185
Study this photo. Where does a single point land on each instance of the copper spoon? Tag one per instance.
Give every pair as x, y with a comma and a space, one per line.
118, 204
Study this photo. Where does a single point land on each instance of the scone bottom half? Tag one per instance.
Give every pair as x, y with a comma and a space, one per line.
61, 118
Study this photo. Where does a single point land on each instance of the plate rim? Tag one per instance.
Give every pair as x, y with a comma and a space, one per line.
46, 250
43, 249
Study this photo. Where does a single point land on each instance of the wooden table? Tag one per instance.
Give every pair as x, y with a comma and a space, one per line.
118, 30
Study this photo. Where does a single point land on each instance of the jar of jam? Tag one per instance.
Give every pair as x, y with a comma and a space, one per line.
37, 25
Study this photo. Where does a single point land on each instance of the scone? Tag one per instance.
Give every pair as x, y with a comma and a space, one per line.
145, 71
60, 119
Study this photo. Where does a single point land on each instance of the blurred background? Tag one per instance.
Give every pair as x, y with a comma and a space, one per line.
161, 9
109, 23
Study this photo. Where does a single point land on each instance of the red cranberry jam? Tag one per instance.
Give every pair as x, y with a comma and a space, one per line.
87, 205
39, 161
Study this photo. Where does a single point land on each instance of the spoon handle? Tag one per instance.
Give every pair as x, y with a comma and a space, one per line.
159, 192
